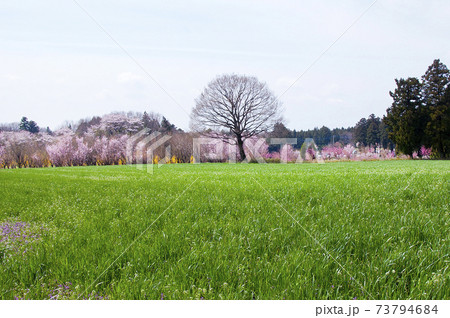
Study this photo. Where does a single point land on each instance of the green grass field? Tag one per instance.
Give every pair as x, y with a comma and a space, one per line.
334, 231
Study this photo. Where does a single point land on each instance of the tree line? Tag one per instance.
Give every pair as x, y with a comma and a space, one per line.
236, 108
418, 119
420, 112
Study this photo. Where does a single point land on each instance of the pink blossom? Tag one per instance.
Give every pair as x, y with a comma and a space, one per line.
287, 154
425, 152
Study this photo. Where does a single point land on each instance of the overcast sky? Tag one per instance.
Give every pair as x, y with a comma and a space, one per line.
56, 64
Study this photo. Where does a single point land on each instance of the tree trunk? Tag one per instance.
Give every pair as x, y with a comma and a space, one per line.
240, 144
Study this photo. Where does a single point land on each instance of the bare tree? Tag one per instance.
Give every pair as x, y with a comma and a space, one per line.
240, 105
181, 146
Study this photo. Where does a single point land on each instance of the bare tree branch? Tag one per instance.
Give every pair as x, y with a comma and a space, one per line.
239, 104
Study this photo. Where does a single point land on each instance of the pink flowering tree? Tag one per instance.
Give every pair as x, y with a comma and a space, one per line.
81, 153
117, 124
256, 149
116, 150
425, 152
287, 154
22, 149
61, 152
2, 155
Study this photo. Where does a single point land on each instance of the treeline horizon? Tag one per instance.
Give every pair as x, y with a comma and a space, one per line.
419, 118
156, 122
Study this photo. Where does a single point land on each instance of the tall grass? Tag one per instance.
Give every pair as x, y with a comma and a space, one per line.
247, 231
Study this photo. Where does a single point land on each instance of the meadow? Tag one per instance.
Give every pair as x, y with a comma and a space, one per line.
345, 230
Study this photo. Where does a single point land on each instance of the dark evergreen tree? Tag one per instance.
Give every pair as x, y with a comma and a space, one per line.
324, 136
372, 135
33, 127
435, 82
435, 85
373, 131
280, 131
24, 125
360, 131
166, 126
438, 127
385, 142
29, 126
404, 118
